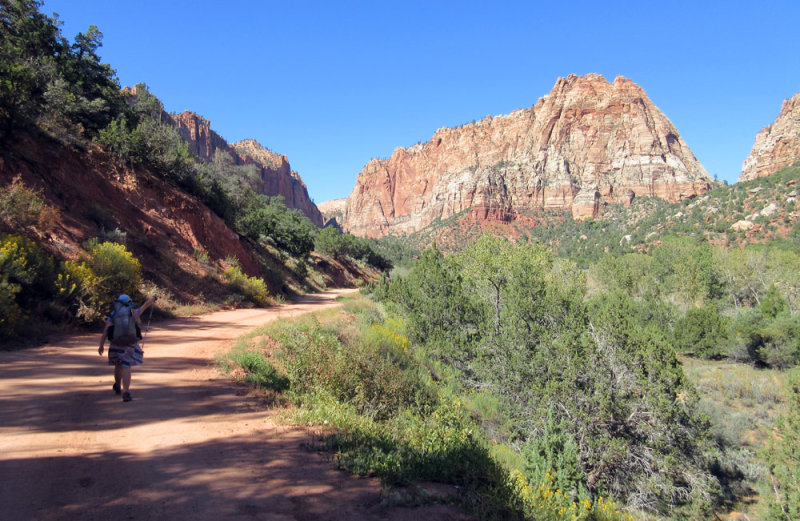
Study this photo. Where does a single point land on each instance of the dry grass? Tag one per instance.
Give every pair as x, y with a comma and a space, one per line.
743, 403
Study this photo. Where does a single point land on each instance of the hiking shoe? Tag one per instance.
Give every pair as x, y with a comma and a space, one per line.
117, 389
126, 397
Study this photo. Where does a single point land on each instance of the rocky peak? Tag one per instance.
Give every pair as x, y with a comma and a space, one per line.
333, 211
276, 173
261, 154
778, 145
196, 131
585, 144
278, 177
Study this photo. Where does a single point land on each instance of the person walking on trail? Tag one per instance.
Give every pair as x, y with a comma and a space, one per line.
123, 330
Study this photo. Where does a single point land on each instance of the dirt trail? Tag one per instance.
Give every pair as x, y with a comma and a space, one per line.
188, 446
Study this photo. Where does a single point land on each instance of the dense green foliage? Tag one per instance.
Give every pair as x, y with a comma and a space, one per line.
361, 376
47, 82
330, 241
34, 286
621, 418
27, 275
92, 284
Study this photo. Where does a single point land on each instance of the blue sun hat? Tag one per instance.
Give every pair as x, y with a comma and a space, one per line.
125, 299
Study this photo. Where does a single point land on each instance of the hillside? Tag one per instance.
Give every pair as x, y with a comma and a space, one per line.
755, 211
103, 192
277, 176
180, 242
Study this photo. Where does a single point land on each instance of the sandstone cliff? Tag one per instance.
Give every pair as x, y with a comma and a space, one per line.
333, 211
587, 143
276, 174
778, 145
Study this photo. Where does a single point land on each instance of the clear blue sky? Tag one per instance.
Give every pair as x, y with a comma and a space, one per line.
334, 84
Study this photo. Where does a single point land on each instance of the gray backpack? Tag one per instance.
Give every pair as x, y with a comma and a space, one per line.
124, 331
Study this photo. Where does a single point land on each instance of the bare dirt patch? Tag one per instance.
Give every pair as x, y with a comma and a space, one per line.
189, 446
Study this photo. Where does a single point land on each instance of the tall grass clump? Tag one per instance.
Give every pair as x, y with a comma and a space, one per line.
251, 365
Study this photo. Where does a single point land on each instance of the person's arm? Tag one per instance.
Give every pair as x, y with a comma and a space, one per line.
103, 339
147, 303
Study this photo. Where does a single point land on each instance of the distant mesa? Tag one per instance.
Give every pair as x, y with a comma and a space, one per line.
777, 146
586, 144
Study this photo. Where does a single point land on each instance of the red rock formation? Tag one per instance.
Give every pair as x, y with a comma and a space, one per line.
778, 145
276, 173
333, 211
587, 134
278, 177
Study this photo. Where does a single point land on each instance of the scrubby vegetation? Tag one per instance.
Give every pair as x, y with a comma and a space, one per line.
653, 377
390, 411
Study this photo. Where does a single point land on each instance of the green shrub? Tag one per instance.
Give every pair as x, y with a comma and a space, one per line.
257, 369
330, 241
702, 332
27, 276
92, 285
554, 456
374, 373
22, 207
781, 347
253, 289
784, 458
268, 216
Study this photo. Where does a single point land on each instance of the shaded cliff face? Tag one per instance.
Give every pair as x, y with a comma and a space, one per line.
276, 173
778, 145
587, 143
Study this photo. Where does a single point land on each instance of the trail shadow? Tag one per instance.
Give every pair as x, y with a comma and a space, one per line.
236, 478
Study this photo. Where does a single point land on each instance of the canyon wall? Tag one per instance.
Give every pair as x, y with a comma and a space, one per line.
276, 174
778, 145
587, 143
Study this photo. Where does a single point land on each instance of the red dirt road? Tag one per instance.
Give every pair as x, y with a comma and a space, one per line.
188, 446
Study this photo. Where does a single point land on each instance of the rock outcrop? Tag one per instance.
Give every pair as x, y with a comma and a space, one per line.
333, 212
587, 143
277, 176
777, 146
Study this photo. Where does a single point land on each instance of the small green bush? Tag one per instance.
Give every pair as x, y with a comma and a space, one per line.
781, 347
92, 285
253, 289
26, 281
373, 373
257, 369
702, 332
22, 207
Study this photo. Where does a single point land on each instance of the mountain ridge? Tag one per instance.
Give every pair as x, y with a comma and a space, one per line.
585, 144
277, 176
776, 146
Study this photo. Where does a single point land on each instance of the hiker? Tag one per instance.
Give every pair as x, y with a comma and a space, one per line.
123, 329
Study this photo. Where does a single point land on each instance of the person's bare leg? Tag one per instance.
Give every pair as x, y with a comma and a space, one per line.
126, 378
117, 374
